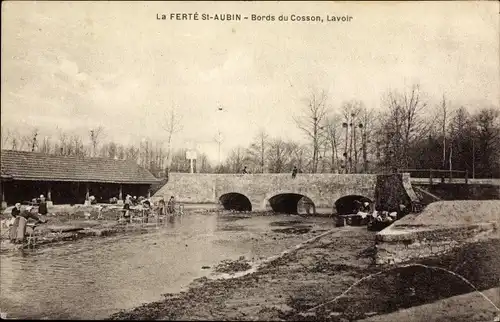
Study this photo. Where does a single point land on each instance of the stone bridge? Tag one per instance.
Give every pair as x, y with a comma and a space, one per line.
260, 192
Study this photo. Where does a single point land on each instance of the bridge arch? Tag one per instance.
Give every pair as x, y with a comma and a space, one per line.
235, 201
290, 202
348, 204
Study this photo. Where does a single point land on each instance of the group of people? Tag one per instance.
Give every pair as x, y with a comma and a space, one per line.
38, 210
20, 216
170, 207
162, 208
370, 216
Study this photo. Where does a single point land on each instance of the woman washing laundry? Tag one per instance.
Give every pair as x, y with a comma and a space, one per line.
171, 205
17, 231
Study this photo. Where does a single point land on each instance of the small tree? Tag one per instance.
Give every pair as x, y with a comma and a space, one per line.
258, 150
95, 136
171, 124
310, 122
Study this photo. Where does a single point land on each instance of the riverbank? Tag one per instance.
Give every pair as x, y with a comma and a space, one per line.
71, 223
52, 235
302, 284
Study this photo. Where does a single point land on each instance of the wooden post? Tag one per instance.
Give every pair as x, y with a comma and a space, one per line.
149, 194
120, 194
87, 194
49, 192
466, 176
4, 203
430, 176
49, 195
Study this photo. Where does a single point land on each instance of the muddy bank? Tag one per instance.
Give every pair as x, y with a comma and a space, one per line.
294, 286
52, 235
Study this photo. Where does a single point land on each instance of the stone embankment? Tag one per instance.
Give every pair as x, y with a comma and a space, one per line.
441, 227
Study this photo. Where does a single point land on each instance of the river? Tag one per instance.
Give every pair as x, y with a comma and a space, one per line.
95, 277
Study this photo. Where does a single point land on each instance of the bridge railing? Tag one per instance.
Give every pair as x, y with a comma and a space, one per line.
438, 175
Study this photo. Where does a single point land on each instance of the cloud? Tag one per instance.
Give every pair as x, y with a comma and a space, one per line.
95, 67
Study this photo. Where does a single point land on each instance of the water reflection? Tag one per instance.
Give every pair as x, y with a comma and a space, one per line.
92, 278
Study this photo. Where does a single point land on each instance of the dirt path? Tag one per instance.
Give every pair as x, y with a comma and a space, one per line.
290, 287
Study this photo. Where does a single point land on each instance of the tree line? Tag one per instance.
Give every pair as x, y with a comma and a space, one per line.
408, 132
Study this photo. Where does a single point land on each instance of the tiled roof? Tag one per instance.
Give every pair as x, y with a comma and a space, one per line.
21, 165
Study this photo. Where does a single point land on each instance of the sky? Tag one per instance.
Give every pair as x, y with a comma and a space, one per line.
73, 66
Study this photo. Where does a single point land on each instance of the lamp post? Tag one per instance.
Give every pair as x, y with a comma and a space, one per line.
219, 138
345, 125
473, 158
475, 132
360, 125
350, 143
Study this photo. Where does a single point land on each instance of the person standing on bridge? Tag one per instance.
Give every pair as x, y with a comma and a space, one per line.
294, 172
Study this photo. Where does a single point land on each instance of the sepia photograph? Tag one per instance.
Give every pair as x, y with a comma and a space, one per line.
250, 161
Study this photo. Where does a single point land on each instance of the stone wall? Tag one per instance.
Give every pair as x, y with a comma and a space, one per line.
427, 243
189, 188
441, 227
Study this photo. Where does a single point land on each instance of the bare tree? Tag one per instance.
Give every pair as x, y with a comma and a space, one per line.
77, 146
95, 136
179, 161
63, 143
279, 155
257, 150
488, 131
171, 124
366, 126
30, 141
121, 152
202, 164
109, 150
404, 124
236, 160
12, 139
351, 111
6, 136
132, 153
444, 117
14, 142
332, 126
34, 140
46, 146
310, 122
